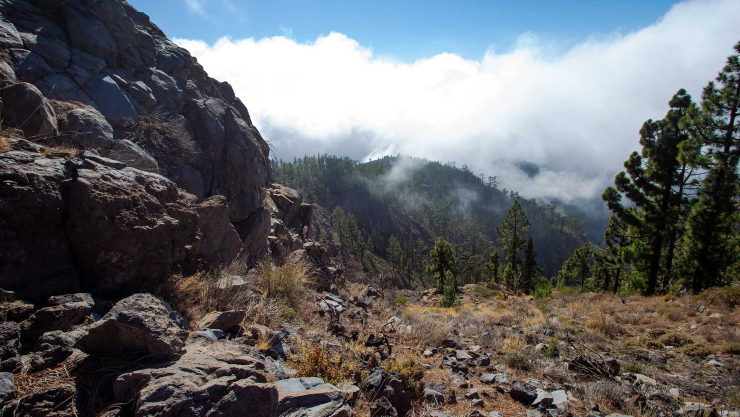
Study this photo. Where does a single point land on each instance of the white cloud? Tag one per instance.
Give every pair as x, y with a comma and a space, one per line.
576, 112
196, 6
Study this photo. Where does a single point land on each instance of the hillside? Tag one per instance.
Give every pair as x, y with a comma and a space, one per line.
416, 200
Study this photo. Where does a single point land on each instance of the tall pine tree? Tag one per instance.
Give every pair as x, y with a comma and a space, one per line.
530, 270
512, 232
441, 261
493, 267
648, 182
711, 237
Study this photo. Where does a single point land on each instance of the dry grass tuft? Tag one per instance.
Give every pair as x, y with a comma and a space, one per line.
698, 350
282, 283
675, 339
603, 324
728, 297
318, 361
514, 343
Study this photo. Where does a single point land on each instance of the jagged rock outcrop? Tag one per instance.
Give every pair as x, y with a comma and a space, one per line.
211, 378
134, 96
139, 324
118, 227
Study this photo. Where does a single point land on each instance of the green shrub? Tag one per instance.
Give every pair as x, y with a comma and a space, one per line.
483, 291
282, 284
675, 339
653, 344
411, 373
698, 350
634, 342
728, 296
516, 360
551, 350
731, 349
634, 367
401, 300
542, 289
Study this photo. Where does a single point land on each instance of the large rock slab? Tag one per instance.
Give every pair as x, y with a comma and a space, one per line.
128, 227
114, 103
28, 66
25, 108
132, 155
9, 36
220, 243
55, 52
211, 378
39, 264
89, 34
61, 317
141, 324
222, 320
310, 397
88, 129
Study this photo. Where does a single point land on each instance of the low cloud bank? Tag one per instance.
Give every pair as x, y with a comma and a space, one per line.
573, 114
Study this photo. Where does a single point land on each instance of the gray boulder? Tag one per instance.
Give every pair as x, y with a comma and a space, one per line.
7, 74
7, 389
220, 243
222, 320
10, 346
310, 397
56, 300
211, 378
132, 155
56, 85
88, 128
9, 36
140, 323
381, 407
523, 392
28, 66
25, 108
114, 103
59, 317
128, 227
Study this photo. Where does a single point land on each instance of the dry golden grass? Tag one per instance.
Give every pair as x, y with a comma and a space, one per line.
514, 343
317, 361
603, 324
4, 145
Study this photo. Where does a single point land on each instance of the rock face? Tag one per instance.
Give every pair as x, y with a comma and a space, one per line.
212, 378
122, 69
140, 323
310, 397
128, 225
119, 228
220, 243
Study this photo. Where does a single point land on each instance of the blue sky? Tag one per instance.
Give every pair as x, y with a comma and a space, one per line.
405, 30
565, 85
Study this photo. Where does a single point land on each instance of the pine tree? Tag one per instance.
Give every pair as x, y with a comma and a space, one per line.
648, 182
610, 260
441, 261
530, 270
395, 252
493, 267
511, 233
577, 268
449, 293
711, 236
338, 224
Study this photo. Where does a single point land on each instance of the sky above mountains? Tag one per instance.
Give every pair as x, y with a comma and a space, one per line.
562, 85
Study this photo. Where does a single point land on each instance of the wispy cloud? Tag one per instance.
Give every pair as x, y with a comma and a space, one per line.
197, 7
203, 7
287, 32
573, 112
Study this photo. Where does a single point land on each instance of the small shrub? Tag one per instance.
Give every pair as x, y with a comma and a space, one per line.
282, 283
4, 146
411, 372
675, 339
603, 324
634, 342
672, 314
542, 289
654, 344
633, 367
401, 300
731, 348
516, 360
698, 350
514, 342
551, 350
482, 291
316, 361
669, 297
726, 296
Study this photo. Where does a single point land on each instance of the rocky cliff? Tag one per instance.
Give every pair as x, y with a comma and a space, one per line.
123, 160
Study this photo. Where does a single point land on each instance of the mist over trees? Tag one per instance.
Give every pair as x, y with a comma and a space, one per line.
396, 208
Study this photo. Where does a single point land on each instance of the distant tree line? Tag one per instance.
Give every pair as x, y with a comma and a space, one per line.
382, 211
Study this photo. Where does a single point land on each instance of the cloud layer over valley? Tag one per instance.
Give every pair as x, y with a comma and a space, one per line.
575, 112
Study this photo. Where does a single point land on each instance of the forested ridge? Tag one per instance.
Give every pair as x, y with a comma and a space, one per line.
395, 207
